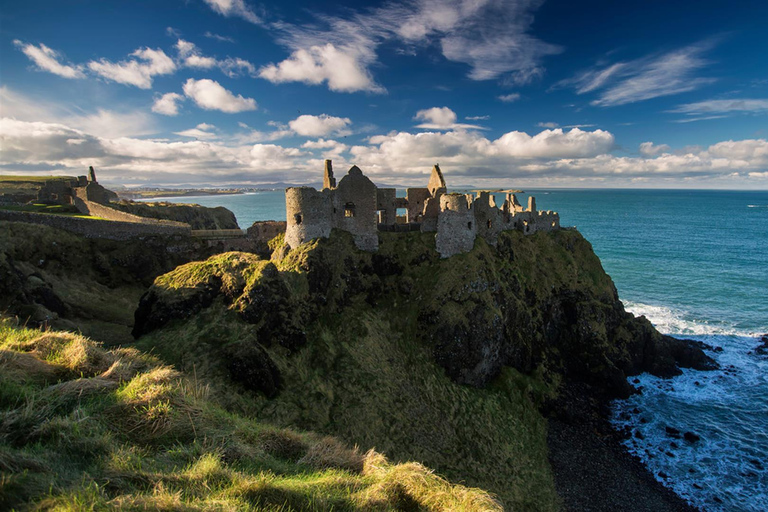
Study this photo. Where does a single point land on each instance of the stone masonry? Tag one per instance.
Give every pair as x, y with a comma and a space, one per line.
359, 207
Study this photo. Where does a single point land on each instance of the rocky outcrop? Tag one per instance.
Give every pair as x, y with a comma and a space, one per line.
534, 300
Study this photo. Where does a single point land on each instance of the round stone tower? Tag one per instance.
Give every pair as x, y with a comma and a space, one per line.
309, 215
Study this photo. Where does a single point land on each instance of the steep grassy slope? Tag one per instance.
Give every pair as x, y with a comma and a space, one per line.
379, 348
56, 278
82, 428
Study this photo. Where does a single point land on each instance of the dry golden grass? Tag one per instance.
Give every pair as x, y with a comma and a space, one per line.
329, 452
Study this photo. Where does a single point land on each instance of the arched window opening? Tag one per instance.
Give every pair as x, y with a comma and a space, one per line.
349, 210
469, 225
297, 218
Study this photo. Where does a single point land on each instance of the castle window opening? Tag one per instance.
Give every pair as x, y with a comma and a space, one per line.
490, 223
297, 218
469, 225
349, 210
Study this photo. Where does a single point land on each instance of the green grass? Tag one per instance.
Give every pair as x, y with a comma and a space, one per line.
32, 179
367, 373
50, 209
83, 428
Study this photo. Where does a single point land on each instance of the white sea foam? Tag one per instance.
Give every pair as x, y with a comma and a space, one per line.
678, 322
728, 462
757, 206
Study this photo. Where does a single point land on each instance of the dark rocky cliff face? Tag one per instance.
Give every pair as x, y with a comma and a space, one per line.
541, 300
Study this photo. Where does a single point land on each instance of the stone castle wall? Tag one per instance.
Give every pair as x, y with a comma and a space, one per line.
456, 226
362, 209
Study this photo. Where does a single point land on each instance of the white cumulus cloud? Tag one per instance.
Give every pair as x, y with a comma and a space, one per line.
441, 118
210, 95
167, 104
344, 69
138, 71
319, 126
651, 149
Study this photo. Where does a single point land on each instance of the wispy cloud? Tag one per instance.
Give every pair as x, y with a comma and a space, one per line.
694, 119
643, 79
477, 118
509, 98
237, 8
47, 59
490, 36
218, 37
723, 106
191, 56
202, 131
549, 124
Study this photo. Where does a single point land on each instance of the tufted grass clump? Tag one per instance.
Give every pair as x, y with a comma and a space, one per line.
84, 428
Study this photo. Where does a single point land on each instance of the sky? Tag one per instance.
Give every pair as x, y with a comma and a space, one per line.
500, 93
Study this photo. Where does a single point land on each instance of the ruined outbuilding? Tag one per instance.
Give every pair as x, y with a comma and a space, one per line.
361, 208
84, 187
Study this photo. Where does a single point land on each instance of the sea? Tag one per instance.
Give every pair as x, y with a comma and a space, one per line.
695, 263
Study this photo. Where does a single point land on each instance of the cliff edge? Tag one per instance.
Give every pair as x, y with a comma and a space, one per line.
446, 361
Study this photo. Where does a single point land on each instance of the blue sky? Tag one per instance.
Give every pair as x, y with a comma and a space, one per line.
500, 93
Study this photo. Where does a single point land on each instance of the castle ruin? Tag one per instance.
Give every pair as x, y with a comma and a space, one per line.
358, 206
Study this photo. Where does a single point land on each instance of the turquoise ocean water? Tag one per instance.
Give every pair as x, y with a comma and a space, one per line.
696, 264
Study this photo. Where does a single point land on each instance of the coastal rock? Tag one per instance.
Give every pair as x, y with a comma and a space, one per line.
691, 437
762, 349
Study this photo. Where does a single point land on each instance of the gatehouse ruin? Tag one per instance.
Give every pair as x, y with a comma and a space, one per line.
358, 206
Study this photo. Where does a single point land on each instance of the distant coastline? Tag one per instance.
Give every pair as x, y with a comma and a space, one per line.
171, 192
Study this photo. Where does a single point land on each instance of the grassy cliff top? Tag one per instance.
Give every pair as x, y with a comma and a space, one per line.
83, 428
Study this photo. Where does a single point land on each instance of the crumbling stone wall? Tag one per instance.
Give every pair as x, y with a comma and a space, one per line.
488, 217
417, 199
386, 204
456, 226
56, 191
260, 233
354, 202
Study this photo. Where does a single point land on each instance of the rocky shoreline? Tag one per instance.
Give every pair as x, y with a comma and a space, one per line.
592, 468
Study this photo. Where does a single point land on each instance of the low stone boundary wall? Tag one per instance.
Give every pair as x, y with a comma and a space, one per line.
94, 228
400, 228
105, 212
218, 233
